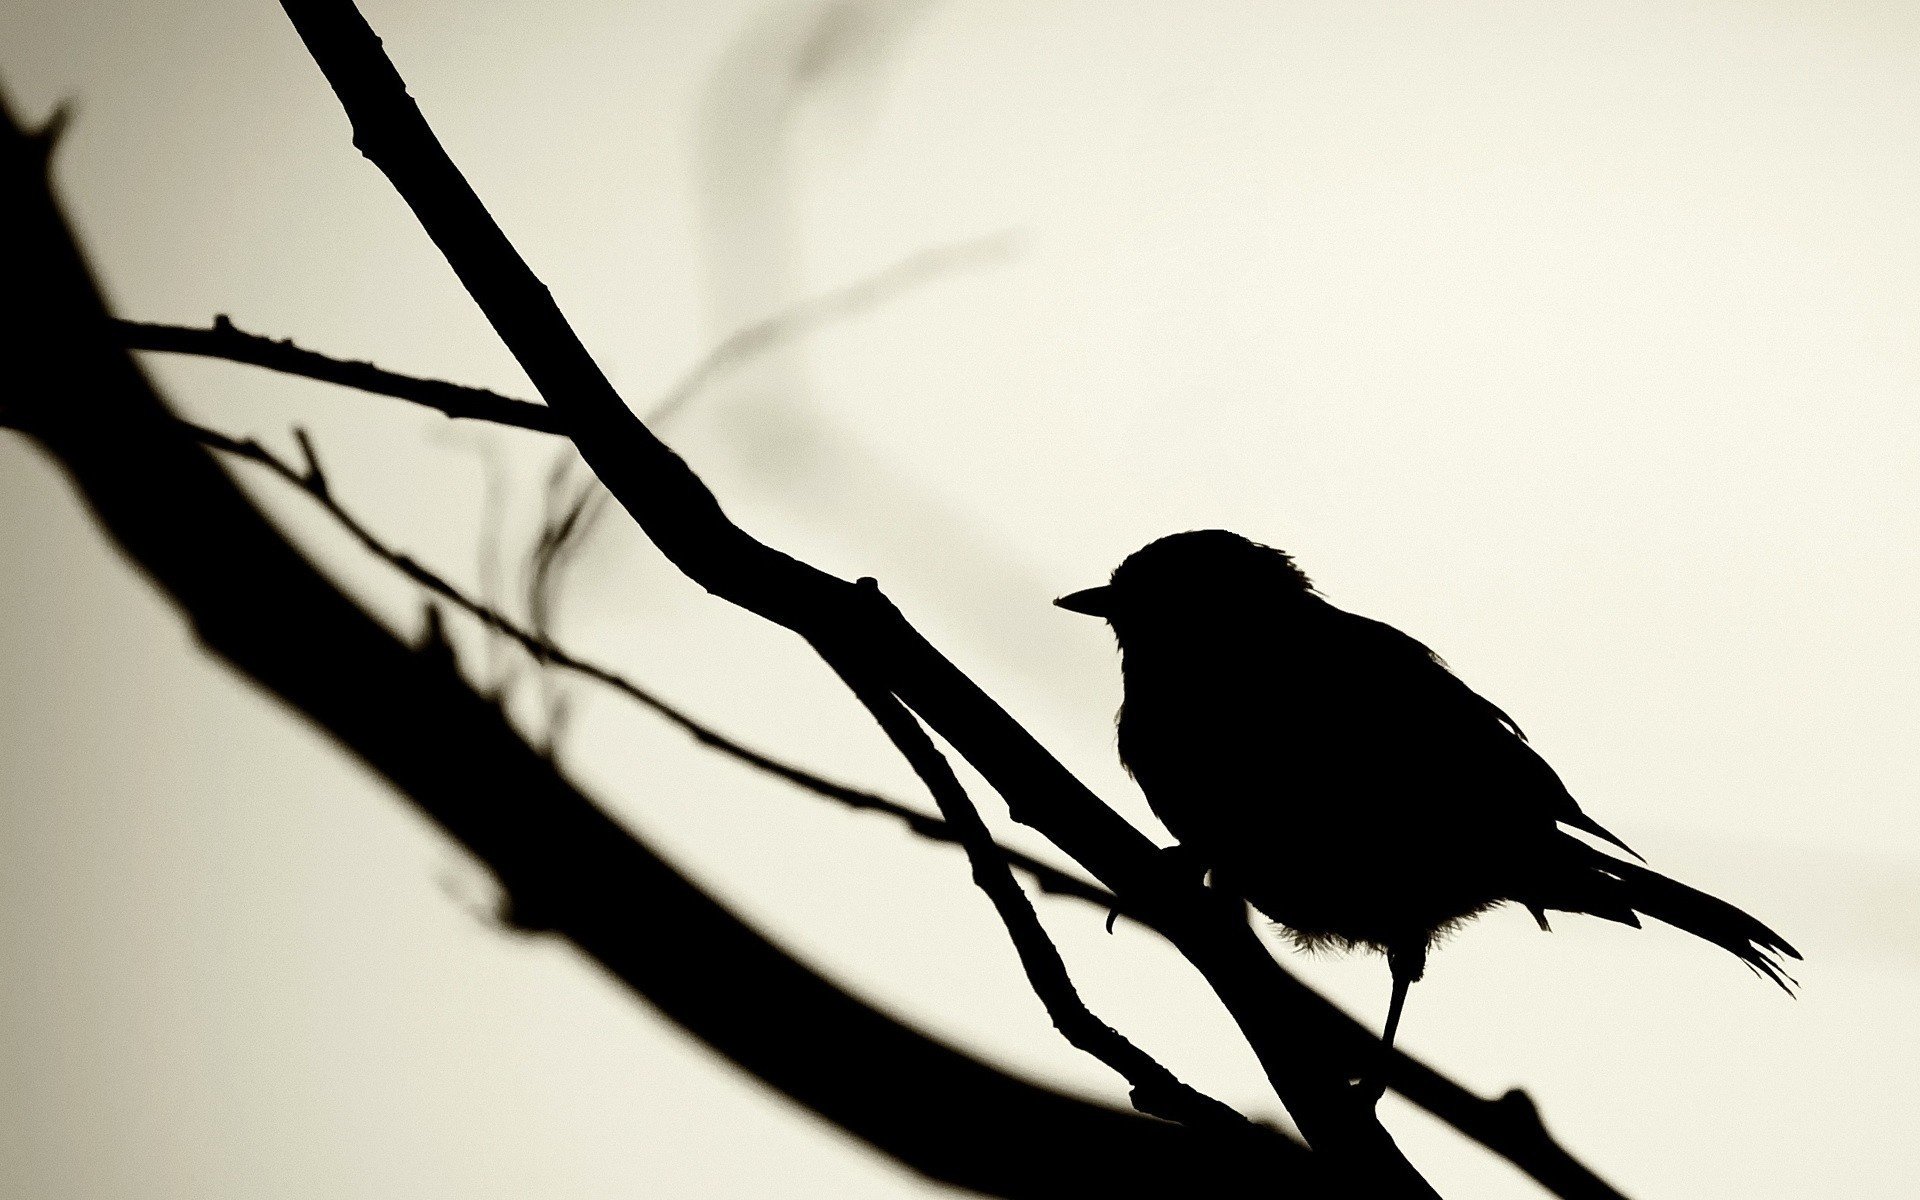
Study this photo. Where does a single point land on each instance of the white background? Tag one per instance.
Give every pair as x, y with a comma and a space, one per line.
1577, 340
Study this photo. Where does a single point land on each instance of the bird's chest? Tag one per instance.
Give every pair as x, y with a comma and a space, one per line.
1220, 742
1284, 743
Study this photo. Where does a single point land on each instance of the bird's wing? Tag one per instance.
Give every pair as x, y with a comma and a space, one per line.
1404, 665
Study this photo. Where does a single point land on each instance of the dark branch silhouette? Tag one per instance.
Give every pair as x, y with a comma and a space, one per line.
1277, 1014
1155, 1089
564, 865
1016, 767
223, 340
1510, 1124
684, 520
312, 480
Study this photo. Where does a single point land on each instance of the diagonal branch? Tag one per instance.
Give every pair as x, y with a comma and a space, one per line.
567, 866
1509, 1124
685, 521
312, 480
1303, 1053
224, 340
1155, 1089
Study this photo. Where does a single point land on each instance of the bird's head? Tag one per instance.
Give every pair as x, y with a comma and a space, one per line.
1189, 579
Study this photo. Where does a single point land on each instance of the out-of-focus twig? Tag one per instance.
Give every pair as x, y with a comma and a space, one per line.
808, 315
571, 512
224, 340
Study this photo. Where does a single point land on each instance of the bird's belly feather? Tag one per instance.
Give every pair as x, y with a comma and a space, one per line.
1327, 832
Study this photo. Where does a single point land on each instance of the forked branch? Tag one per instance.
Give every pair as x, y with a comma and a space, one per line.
224, 341
566, 866
311, 480
685, 521
1155, 1089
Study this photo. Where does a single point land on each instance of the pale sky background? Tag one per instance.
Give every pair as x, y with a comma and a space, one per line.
1578, 340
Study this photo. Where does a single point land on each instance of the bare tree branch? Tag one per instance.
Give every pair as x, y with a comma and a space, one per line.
566, 866
1509, 1125
1155, 1089
682, 517
223, 340
542, 650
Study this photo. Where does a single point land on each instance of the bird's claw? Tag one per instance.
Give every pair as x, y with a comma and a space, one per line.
1182, 864
1176, 866
1368, 1090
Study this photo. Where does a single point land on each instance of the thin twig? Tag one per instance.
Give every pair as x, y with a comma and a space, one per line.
1509, 1124
1305, 1057
835, 305
223, 340
565, 524
1156, 1090
256, 603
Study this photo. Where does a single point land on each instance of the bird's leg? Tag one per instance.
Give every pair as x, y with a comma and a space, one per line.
1394, 1007
1407, 966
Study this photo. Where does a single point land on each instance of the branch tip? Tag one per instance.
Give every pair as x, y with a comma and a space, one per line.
315, 478
433, 631
1521, 1106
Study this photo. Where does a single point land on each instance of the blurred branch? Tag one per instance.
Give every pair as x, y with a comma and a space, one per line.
811, 314
223, 340
566, 866
565, 524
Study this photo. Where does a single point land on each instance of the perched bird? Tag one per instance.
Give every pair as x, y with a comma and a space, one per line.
1334, 773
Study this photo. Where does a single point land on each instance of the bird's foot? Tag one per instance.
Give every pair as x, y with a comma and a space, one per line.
1369, 1089
1182, 864
1177, 867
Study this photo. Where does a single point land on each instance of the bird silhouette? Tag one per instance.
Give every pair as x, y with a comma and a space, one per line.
1334, 773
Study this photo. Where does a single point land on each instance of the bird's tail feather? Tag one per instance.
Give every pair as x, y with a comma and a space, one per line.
1582, 821
1703, 916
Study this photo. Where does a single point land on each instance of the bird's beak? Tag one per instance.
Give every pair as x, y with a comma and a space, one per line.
1093, 601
